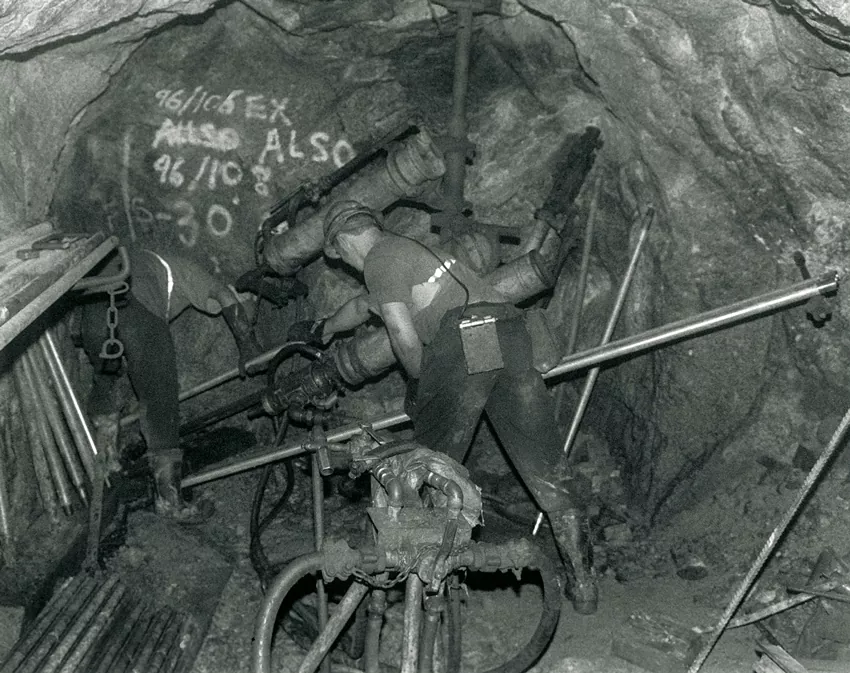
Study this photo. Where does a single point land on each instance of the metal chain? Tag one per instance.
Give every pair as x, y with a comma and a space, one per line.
113, 348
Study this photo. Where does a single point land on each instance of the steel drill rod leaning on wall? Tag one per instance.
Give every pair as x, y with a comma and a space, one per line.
48, 440
44, 455
5, 499
61, 433
702, 323
584, 268
593, 374
77, 420
39, 462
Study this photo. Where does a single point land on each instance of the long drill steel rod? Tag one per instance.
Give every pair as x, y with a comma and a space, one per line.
327, 637
39, 461
107, 653
216, 381
593, 374
319, 539
77, 420
88, 643
48, 444
702, 323
773, 539
61, 432
61, 597
584, 269
5, 499
58, 628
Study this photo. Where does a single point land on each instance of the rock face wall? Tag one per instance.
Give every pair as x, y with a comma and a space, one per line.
56, 58
730, 117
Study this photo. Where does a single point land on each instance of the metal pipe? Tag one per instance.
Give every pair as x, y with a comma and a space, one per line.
39, 462
77, 420
455, 158
160, 622
593, 374
271, 454
584, 269
5, 499
58, 627
48, 441
61, 435
137, 636
41, 442
55, 606
433, 611
412, 621
319, 539
170, 639
82, 620
715, 319
328, 635
86, 649
773, 539
702, 323
117, 638
377, 608
392, 485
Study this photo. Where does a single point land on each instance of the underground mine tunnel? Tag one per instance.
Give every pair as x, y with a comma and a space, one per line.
655, 192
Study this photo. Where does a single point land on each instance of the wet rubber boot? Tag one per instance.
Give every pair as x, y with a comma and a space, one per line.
571, 538
237, 320
168, 497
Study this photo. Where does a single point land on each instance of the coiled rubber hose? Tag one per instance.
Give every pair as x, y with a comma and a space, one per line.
267, 617
542, 636
312, 563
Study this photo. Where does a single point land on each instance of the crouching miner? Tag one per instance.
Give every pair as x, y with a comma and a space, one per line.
465, 350
161, 288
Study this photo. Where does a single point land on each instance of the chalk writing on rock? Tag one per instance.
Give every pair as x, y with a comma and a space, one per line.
186, 133
317, 146
172, 171
237, 102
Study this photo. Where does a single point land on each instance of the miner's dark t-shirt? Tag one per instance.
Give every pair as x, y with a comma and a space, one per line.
399, 269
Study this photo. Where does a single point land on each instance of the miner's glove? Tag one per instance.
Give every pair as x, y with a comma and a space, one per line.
308, 331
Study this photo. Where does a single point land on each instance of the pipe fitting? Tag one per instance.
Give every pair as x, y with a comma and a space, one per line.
392, 485
409, 166
522, 277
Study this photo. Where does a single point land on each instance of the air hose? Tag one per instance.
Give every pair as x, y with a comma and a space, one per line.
542, 636
312, 563
259, 560
302, 566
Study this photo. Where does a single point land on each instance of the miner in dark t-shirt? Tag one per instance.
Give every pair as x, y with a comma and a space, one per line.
426, 299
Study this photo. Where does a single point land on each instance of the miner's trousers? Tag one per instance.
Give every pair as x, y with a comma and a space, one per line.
450, 402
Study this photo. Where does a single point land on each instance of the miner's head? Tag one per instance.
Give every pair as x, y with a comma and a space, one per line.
351, 230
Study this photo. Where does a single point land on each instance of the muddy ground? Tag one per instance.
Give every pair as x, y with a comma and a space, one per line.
721, 531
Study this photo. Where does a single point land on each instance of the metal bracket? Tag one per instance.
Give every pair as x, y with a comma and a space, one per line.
104, 283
